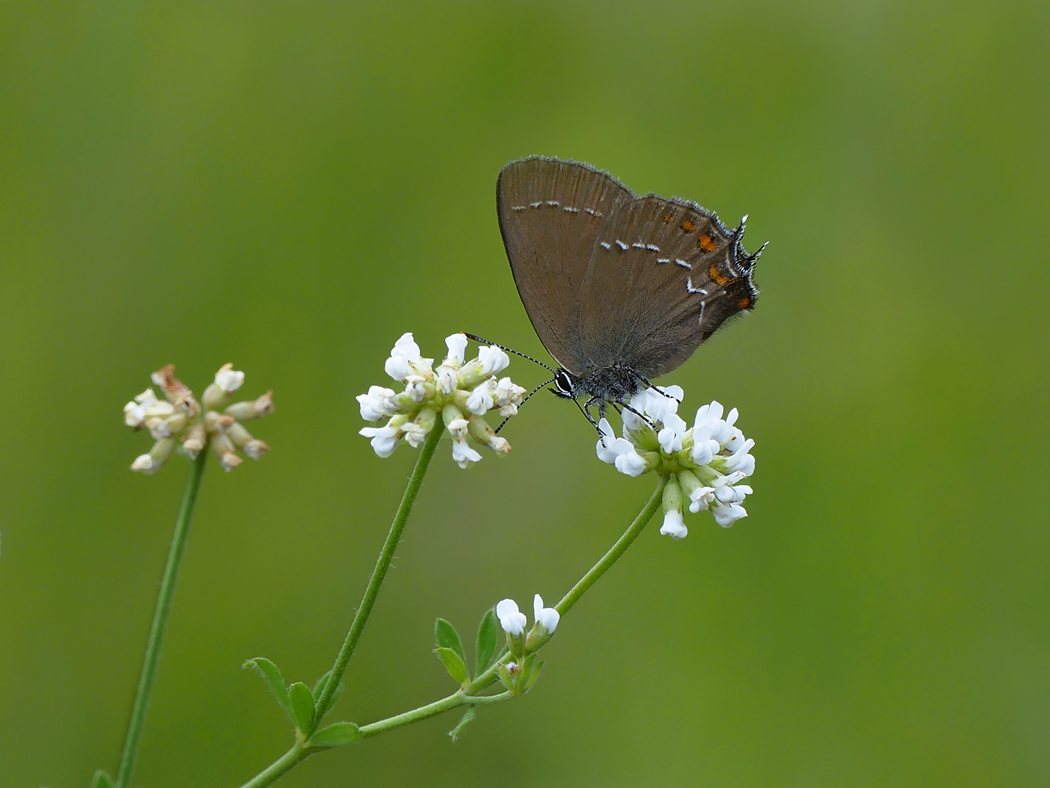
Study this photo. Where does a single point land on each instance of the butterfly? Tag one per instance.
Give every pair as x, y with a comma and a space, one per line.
620, 288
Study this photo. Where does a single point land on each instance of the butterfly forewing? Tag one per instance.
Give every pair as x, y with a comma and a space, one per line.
550, 212
663, 275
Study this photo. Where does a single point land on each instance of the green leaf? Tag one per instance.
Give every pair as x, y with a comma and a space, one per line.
453, 664
468, 717
338, 734
271, 674
302, 706
488, 635
101, 780
319, 689
447, 637
320, 685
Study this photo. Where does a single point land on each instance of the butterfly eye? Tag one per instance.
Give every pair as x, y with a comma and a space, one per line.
564, 382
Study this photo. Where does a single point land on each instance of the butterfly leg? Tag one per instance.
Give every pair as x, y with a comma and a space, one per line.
649, 385
642, 416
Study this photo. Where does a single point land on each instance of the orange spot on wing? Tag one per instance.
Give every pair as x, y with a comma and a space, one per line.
707, 243
667, 218
718, 276
687, 226
743, 303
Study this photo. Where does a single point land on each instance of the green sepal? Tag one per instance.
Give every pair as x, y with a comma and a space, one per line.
505, 676
447, 637
101, 780
488, 636
319, 688
338, 734
271, 674
454, 665
536, 671
302, 706
466, 719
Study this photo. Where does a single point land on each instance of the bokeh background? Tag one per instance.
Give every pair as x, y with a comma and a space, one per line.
291, 186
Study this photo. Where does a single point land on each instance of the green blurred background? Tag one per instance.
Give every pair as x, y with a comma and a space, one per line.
291, 186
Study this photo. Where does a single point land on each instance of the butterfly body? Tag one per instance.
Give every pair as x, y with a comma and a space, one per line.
620, 288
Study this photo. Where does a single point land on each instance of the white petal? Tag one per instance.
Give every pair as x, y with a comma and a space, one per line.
384, 439
674, 526
510, 618
414, 434
457, 344
144, 464
406, 346
659, 406
397, 367
134, 414
670, 440
229, 379
704, 451
463, 454
725, 516
631, 463
446, 380
481, 398
493, 360
547, 616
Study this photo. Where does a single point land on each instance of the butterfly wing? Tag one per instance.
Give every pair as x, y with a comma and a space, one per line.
662, 277
550, 212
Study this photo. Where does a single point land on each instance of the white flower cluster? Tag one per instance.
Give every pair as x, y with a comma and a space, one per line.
704, 464
460, 392
180, 422
513, 620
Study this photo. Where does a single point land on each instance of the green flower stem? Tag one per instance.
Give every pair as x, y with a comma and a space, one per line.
279, 767
160, 622
301, 751
437, 707
615, 551
386, 555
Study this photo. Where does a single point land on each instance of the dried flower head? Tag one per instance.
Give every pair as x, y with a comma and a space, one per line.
180, 423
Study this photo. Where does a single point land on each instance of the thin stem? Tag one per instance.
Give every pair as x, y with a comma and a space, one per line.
160, 622
437, 707
615, 551
279, 767
386, 555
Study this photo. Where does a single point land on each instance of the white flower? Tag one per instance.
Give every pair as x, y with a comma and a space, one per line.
510, 618
377, 403
181, 422
482, 398
674, 525
493, 360
725, 516
144, 464
513, 622
704, 465
508, 397
462, 454
384, 439
457, 345
135, 411
458, 392
547, 617
619, 452
405, 352
229, 379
